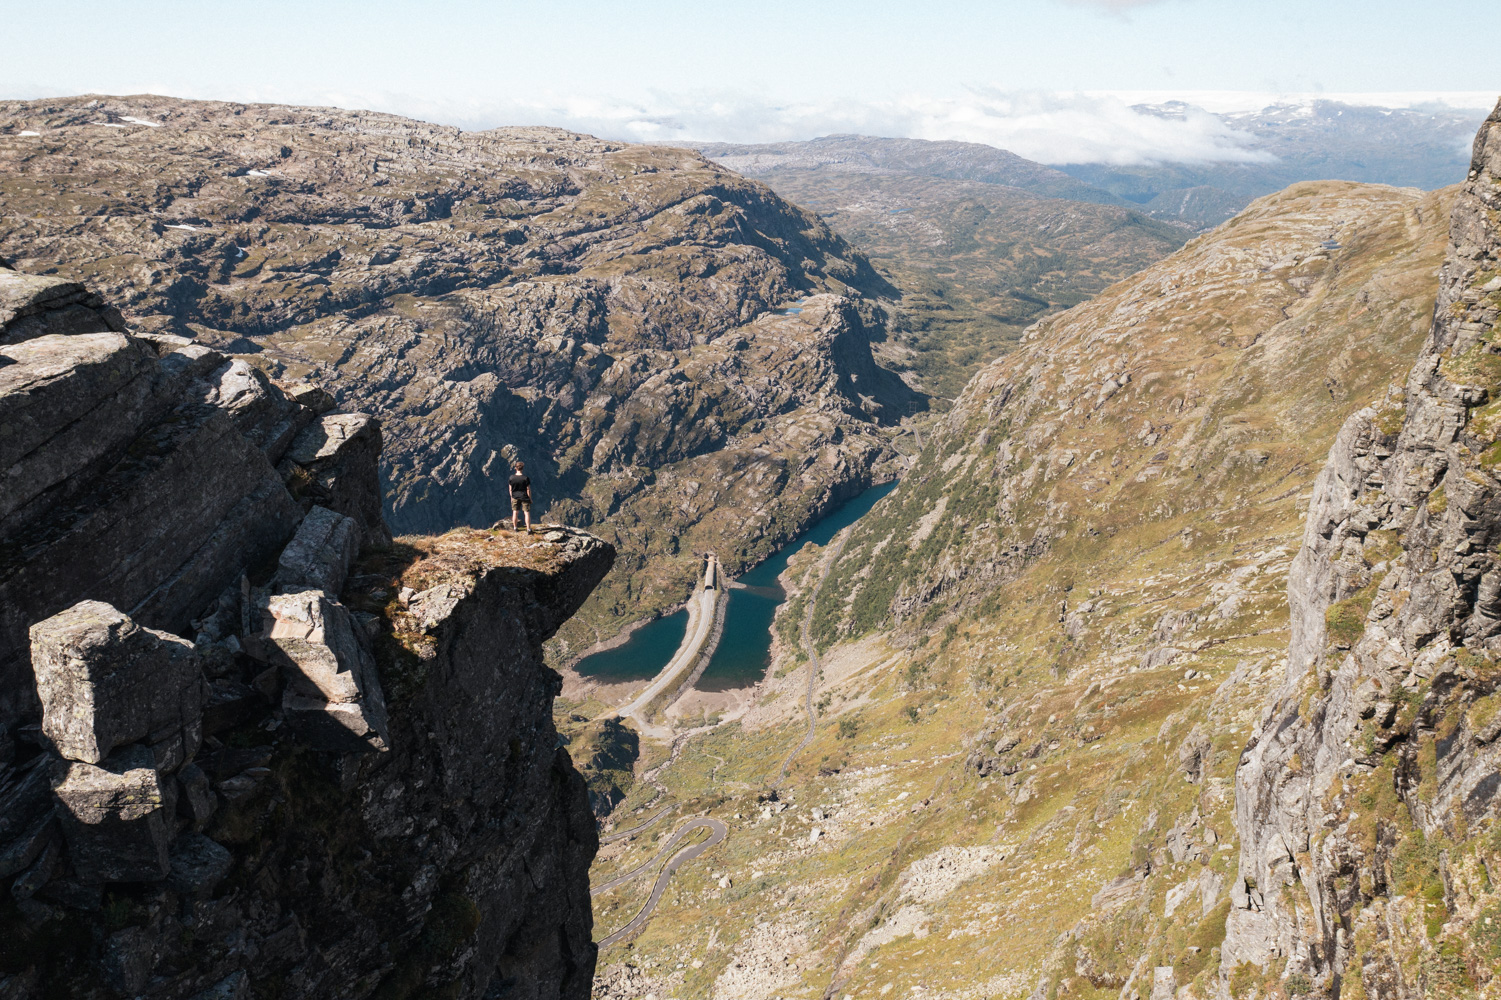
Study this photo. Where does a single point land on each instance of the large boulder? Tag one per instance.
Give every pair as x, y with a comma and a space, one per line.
105, 681
66, 402
39, 305
319, 556
268, 416
335, 462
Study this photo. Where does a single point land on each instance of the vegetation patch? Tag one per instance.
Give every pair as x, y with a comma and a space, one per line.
1478, 366
1345, 621
605, 752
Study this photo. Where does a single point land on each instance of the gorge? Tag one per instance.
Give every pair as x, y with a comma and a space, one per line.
1138, 646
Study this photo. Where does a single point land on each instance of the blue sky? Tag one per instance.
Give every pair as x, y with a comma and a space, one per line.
771, 69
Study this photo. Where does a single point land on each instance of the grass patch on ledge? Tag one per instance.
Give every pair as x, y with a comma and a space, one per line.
457, 558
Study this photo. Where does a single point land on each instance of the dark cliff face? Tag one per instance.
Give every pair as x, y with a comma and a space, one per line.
1366, 798
617, 316
252, 746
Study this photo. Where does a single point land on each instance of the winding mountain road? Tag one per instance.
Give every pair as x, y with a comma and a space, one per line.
622, 834
717, 832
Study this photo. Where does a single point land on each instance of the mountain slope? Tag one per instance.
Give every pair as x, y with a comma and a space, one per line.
612, 314
1367, 793
980, 241
1040, 655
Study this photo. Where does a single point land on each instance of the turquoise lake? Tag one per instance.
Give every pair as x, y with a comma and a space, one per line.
744, 651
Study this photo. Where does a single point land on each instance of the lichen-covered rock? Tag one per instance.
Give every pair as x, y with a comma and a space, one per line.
333, 697
196, 865
1367, 796
157, 524
64, 402
335, 462
36, 305
104, 682
268, 416
117, 817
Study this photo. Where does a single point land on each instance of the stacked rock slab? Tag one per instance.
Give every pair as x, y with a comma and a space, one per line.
203, 792
332, 699
1367, 797
122, 708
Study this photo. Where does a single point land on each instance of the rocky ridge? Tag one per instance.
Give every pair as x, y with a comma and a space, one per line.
1366, 795
981, 242
681, 358
249, 745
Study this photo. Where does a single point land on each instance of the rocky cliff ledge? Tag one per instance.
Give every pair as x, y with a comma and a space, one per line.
1366, 798
252, 746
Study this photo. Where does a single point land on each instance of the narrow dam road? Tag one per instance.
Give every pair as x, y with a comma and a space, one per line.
701, 616
717, 832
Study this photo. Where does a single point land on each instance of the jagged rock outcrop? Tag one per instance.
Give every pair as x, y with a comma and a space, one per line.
250, 745
623, 318
1366, 798
123, 482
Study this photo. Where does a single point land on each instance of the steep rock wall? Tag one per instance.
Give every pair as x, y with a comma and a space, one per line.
251, 745
1367, 794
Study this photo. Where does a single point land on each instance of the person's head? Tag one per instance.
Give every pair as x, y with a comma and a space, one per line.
518, 465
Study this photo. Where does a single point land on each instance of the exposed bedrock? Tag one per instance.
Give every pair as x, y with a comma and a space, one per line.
1366, 798
251, 745
682, 358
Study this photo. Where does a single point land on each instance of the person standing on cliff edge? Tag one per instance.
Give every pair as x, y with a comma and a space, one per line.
521, 497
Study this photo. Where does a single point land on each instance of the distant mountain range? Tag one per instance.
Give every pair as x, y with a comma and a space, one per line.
859, 154
1322, 140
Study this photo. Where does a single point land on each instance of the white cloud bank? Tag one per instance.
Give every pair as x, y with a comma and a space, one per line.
1044, 126
1049, 127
